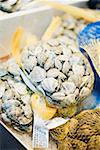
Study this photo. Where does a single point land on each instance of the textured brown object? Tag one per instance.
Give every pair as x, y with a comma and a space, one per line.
83, 132
94, 143
72, 144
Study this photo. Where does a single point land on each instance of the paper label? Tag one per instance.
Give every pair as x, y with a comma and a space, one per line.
58, 121
40, 133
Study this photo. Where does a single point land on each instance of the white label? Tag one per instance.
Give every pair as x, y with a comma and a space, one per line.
58, 121
40, 133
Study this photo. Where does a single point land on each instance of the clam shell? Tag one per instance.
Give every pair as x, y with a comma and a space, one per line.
26, 99
49, 84
62, 57
58, 64
57, 50
12, 67
58, 96
61, 76
69, 87
42, 57
20, 88
5, 118
70, 99
38, 74
76, 79
53, 73
27, 111
49, 64
66, 67
85, 91
38, 49
7, 95
74, 48
24, 121
30, 63
79, 69
76, 59
66, 52
87, 81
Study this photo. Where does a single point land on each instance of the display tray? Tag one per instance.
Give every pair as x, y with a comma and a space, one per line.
34, 21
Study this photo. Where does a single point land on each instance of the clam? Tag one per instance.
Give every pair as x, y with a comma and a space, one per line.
30, 63
57, 50
24, 55
58, 96
66, 67
66, 52
12, 67
79, 69
20, 88
85, 91
76, 93
26, 99
49, 84
49, 64
38, 74
7, 95
69, 87
5, 118
51, 54
37, 50
74, 49
76, 79
42, 57
27, 111
53, 72
70, 73
76, 59
86, 81
61, 100
61, 76
58, 64
24, 121
62, 57
70, 99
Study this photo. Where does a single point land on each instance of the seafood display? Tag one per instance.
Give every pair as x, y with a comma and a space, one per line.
50, 80
81, 132
15, 97
59, 71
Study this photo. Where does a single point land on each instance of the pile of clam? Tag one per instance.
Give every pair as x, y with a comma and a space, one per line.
59, 71
15, 102
70, 27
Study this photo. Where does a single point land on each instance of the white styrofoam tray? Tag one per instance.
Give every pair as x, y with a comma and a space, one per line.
34, 21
